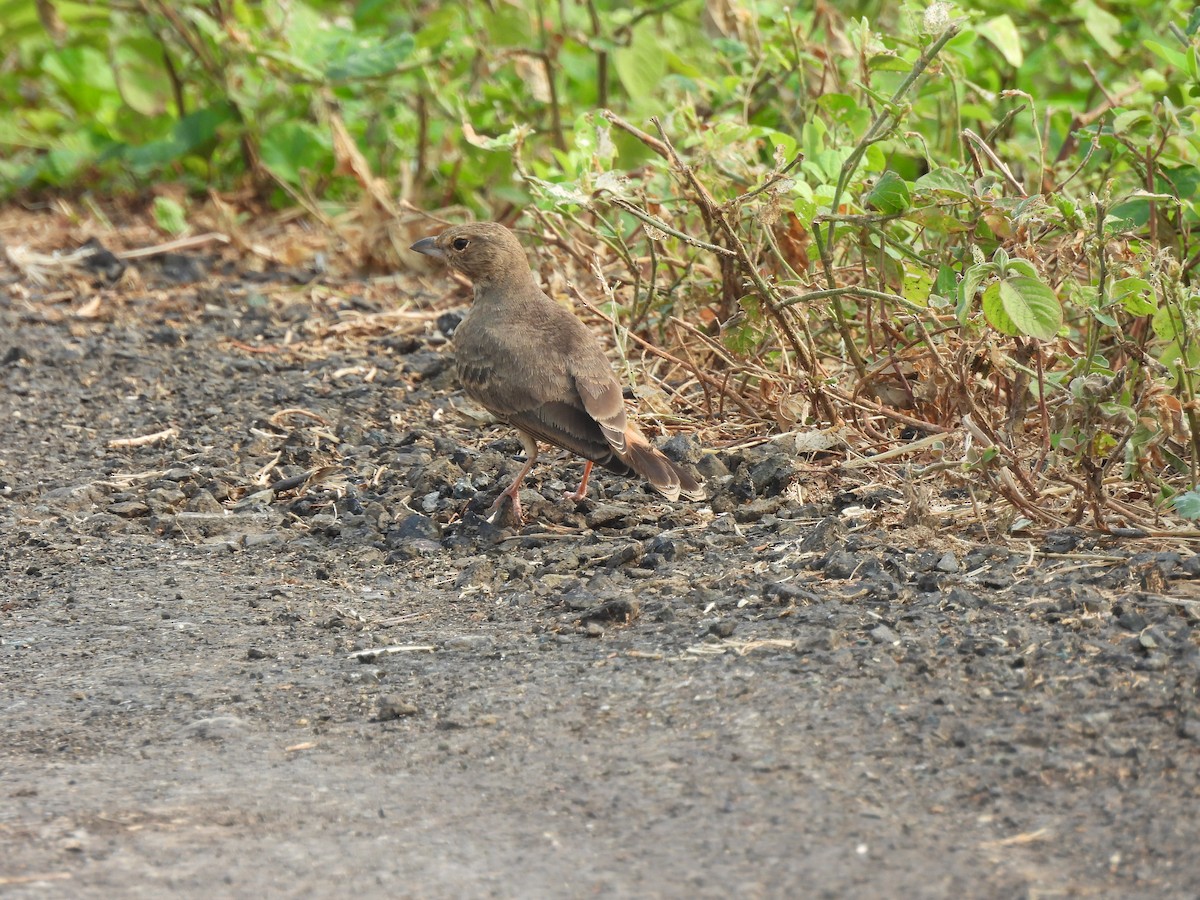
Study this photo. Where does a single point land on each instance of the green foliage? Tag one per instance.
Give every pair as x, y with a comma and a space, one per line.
1017, 302
1188, 505
170, 216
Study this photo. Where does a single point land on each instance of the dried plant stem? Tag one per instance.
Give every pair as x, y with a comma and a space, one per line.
720, 385
714, 213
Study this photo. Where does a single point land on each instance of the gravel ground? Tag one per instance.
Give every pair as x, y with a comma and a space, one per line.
277, 651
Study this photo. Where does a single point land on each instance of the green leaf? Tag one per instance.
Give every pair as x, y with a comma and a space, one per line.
1188, 505
1172, 56
813, 134
1166, 323
373, 62
993, 310
805, 204
1023, 305
506, 26
505, 141
1102, 25
642, 65
947, 282
890, 194
918, 283
84, 77
1003, 35
1136, 295
845, 110
138, 69
888, 62
968, 287
1022, 267
169, 216
292, 148
192, 132
1128, 216
945, 180
1128, 121
18, 18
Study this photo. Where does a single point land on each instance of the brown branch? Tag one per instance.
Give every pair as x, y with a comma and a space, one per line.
658, 351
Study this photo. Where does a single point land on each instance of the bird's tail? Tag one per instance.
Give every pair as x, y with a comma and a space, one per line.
664, 476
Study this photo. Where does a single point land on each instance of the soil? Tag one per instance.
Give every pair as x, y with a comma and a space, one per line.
256, 638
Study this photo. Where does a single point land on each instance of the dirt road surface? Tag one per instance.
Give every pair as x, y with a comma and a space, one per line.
256, 640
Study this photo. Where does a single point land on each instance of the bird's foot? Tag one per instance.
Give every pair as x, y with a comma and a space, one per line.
581, 492
496, 510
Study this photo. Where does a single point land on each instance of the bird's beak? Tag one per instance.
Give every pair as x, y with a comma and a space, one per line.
429, 247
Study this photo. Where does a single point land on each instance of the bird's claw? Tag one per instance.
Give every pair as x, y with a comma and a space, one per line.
496, 510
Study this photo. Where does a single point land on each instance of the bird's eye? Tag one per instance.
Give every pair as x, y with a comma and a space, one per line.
460, 244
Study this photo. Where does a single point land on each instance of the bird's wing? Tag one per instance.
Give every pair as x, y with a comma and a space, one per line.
542, 400
570, 427
602, 401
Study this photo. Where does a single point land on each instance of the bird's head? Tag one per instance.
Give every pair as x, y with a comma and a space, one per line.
483, 251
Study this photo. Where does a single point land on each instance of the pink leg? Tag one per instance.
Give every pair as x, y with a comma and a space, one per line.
513, 491
582, 491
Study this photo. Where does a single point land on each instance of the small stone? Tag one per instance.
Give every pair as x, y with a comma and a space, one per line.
471, 643
948, 563
414, 527
1062, 540
551, 583
392, 707
960, 596
823, 537
724, 628
593, 629
256, 653
1120, 747
621, 609
129, 509
624, 556
1095, 724
204, 502
711, 468
447, 322
682, 448
881, 634
179, 268
163, 499
260, 540
215, 728
1189, 727
841, 565
664, 547
756, 509
785, 592
480, 573
773, 474
1154, 662
608, 515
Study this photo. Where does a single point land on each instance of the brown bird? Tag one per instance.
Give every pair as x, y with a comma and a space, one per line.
535, 366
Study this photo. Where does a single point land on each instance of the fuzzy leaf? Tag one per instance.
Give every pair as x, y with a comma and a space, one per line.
1188, 505
1023, 305
1003, 34
890, 194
